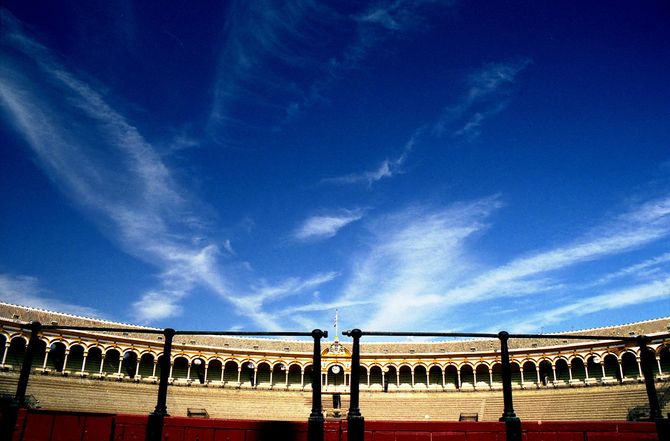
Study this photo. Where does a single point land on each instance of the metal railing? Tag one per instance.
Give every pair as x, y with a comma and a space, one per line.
156, 418
356, 421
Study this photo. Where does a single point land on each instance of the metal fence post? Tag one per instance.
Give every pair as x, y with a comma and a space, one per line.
316, 420
12, 412
512, 422
155, 421
355, 421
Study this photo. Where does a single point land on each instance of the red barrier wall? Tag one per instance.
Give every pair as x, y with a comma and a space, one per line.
71, 426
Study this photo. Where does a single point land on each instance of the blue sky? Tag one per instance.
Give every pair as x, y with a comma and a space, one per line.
418, 165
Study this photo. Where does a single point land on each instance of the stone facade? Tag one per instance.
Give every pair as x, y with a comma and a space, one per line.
552, 361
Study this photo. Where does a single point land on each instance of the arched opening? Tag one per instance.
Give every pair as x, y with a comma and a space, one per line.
664, 358
279, 372
405, 376
129, 366
56, 357
214, 371
451, 377
111, 363
563, 372
435, 376
578, 369
594, 366
198, 370
496, 370
307, 377
363, 377
629, 366
146, 365
3, 346
335, 375
390, 377
420, 377
179, 368
75, 358
15, 353
612, 367
376, 377
483, 377
263, 374
294, 377
230, 371
247, 374
467, 377
94, 360
529, 372
546, 373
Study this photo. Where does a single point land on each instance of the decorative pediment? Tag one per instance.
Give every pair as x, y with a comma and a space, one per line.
336, 350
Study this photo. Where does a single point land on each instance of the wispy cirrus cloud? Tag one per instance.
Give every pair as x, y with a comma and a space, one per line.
100, 161
259, 304
326, 225
658, 290
489, 89
421, 265
26, 290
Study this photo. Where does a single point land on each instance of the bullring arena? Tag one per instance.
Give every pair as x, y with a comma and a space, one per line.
553, 378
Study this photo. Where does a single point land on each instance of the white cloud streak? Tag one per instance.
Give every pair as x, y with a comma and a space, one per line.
325, 226
26, 290
102, 162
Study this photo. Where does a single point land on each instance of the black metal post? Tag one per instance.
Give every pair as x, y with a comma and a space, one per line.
155, 421
512, 422
12, 412
647, 360
355, 421
316, 420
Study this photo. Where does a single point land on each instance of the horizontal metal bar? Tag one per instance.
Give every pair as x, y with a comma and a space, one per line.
487, 335
247, 333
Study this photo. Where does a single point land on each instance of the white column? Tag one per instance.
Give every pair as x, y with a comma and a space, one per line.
206, 369
570, 371
153, 373
602, 367
239, 372
4, 354
255, 380
368, 379
120, 364
302, 377
102, 362
586, 369
553, 371
171, 368
474, 378
620, 370
427, 378
67, 352
412, 371
458, 378
188, 371
443, 379
137, 367
537, 370
223, 369
271, 374
521, 372
286, 383
46, 357
639, 367
658, 361
83, 363
491, 378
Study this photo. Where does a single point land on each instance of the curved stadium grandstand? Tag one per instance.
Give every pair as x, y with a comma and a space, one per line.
554, 378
